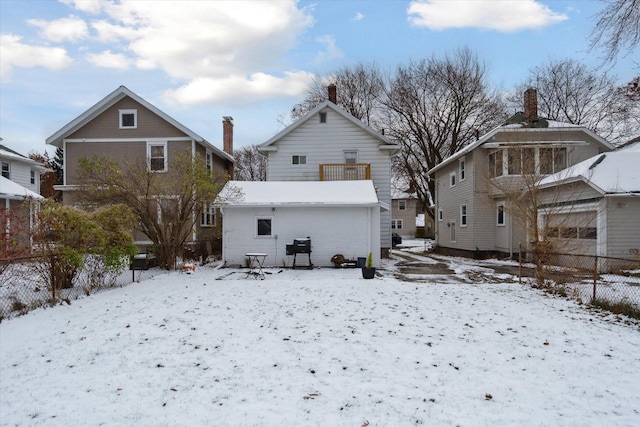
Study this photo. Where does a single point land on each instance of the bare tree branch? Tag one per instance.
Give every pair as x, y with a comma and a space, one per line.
617, 28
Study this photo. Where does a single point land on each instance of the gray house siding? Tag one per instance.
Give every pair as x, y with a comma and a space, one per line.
482, 198
623, 226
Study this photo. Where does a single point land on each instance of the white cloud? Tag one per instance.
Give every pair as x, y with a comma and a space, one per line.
196, 39
506, 16
108, 32
60, 30
240, 89
358, 17
203, 41
332, 51
108, 59
17, 54
89, 6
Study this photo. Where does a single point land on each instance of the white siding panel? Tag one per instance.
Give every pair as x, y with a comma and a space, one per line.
623, 223
332, 230
324, 143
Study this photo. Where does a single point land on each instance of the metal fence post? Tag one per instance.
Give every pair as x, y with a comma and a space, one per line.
595, 277
520, 263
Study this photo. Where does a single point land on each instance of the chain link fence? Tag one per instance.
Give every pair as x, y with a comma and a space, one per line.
608, 282
26, 284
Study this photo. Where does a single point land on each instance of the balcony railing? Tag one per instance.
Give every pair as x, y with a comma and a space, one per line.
345, 172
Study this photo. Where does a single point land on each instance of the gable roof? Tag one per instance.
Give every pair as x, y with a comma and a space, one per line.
387, 144
298, 193
614, 173
14, 191
515, 124
115, 96
9, 154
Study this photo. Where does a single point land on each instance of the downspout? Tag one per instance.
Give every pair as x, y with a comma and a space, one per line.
224, 240
510, 237
193, 214
369, 228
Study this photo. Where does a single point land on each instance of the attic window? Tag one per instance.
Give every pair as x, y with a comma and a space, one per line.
128, 119
6, 171
323, 117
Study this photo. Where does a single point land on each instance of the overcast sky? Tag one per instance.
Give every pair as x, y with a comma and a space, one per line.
201, 60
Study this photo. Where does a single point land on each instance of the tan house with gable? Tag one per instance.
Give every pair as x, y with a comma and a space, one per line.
124, 127
472, 212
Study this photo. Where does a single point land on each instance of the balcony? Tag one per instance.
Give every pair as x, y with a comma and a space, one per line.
345, 172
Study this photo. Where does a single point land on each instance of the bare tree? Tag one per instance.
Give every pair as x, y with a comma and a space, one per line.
434, 108
360, 88
617, 27
570, 92
632, 89
166, 205
250, 164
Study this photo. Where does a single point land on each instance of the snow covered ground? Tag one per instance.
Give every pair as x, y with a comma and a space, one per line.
321, 347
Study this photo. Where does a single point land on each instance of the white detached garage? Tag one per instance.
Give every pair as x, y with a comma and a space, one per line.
340, 217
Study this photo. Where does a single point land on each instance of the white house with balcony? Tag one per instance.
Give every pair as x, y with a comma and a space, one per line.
330, 145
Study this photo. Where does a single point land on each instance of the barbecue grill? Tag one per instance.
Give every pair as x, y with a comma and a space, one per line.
300, 246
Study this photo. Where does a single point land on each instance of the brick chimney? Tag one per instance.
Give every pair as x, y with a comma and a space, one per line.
227, 134
333, 95
531, 105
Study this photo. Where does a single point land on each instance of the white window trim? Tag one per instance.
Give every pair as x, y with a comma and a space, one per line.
135, 118
504, 215
208, 209
344, 156
462, 167
306, 158
8, 169
396, 224
452, 231
166, 155
452, 180
32, 177
258, 236
402, 205
465, 222
440, 215
208, 160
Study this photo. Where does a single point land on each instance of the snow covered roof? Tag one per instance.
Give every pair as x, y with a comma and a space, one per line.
298, 193
11, 190
610, 173
551, 126
400, 194
9, 154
